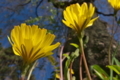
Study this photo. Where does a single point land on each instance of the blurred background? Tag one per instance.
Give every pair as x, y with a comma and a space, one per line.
46, 14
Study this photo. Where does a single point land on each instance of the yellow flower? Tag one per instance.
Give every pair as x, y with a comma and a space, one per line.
115, 4
31, 42
79, 17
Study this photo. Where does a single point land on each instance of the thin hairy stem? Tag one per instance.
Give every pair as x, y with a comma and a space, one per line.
61, 68
80, 70
84, 59
31, 70
109, 51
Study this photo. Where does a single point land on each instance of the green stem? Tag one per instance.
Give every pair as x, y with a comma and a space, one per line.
84, 59
111, 71
111, 58
109, 51
113, 61
24, 71
31, 70
80, 67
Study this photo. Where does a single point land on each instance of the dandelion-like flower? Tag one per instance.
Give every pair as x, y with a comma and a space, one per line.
79, 17
31, 42
115, 4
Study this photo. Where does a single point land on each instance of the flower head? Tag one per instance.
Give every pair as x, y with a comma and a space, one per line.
31, 42
115, 4
79, 17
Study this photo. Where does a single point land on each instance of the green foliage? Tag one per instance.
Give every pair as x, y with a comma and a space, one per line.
100, 72
70, 60
9, 63
32, 20
115, 68
75, 45
116, 61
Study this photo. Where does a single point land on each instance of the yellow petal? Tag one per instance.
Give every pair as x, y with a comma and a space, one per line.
15, 39
50, 48
16, 51
10, 40
68, 14
91, 22
49, 39
115, 4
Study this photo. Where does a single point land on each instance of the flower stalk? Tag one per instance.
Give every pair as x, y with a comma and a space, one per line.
24, 72
80, 70
31, 70
61, 60
84, 58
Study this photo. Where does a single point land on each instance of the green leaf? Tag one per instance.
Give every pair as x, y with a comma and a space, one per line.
70, 59
75, 54
115, 68
75, 45
66, 69
116, 61
86, 39
100, 72
116, 78
67, 56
